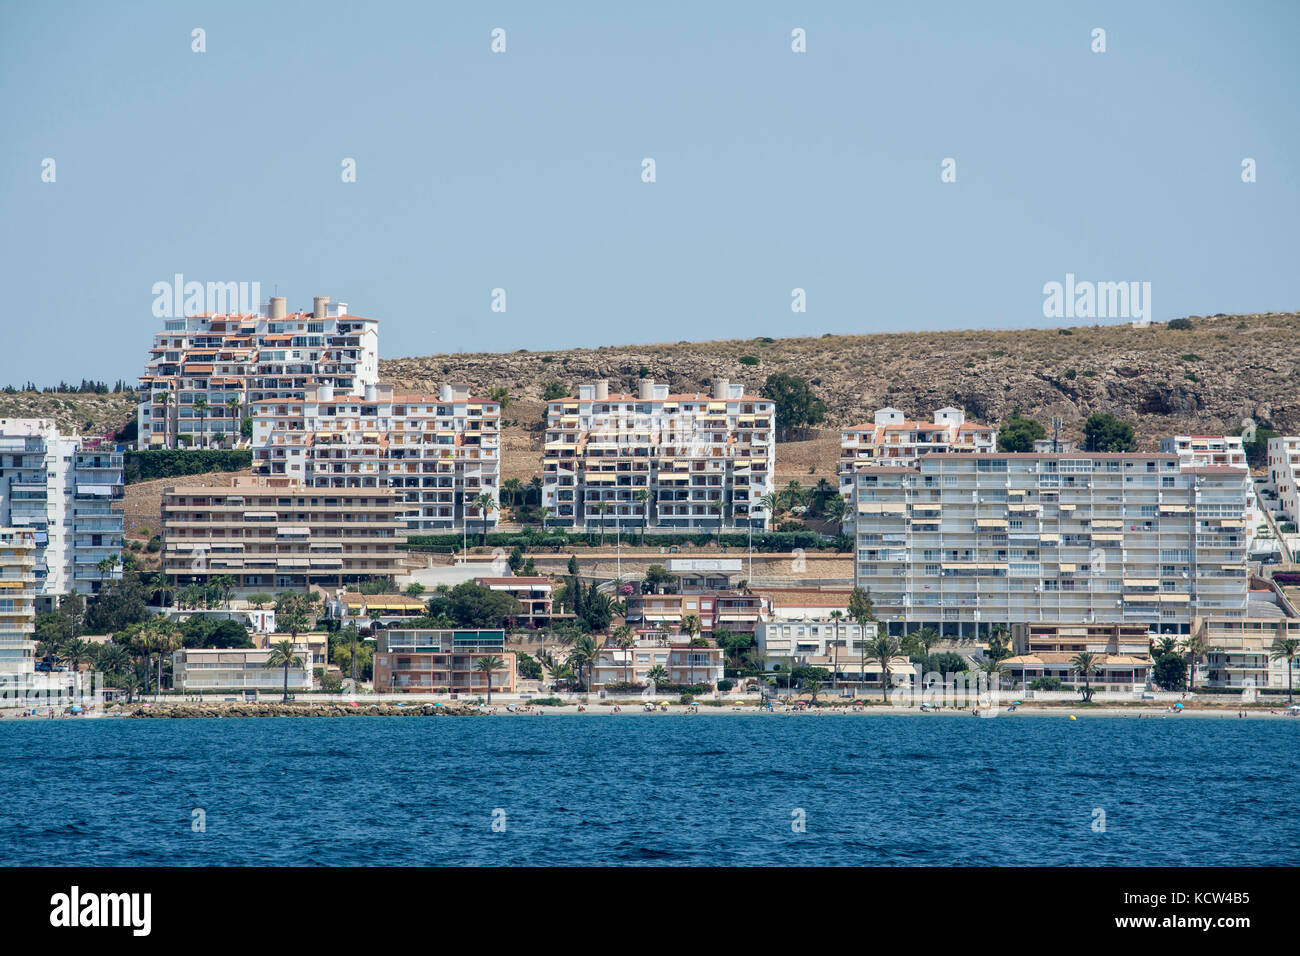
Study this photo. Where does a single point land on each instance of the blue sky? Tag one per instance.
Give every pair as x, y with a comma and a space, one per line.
522, 170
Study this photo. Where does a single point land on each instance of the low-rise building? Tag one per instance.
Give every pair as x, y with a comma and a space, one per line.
361, 609
239, 669
683, 663
703, 589
442, 661
274, 534
839, 647
893, 440
1114, 672
534, 594
1239, 651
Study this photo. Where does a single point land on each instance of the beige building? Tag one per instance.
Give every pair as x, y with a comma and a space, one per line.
205, 372
683, 664
17, 602
240, 669
439, 453
692, 461
271, 534
433, 662
893, 440
963, 542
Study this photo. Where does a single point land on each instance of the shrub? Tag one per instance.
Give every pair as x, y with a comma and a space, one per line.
1180, 324
1045, 683
749, 360
170, 463
726, 685
154, 545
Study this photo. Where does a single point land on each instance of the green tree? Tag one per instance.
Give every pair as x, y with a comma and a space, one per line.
487, 665
795, 404
863, 611
554, 391
1169, 671
883, 649
1106, 433
1018, 434
1085, 664
485, 504
283, 655
657, 576
642, 495
1285, 649
472, 605
201, 409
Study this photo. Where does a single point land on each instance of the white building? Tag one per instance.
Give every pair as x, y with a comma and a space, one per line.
17, 602
211, 669
62, 488
893, 440
965, 542
205, 371
837, 646
696, 461
438, 452
1284, 474
1204, 451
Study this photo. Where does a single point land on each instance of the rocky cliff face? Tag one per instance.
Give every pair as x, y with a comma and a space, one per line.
1206, 379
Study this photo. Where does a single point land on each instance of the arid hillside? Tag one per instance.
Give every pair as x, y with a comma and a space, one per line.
1208, 378
1204, 379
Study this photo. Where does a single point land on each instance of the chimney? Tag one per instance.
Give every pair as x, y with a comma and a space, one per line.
720, 387
320, 307
646, 392
277, 307
602, 390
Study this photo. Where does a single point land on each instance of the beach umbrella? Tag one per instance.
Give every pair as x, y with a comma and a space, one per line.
1015, 703
1178, 706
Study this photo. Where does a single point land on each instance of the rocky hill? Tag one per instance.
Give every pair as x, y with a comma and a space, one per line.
1163, 380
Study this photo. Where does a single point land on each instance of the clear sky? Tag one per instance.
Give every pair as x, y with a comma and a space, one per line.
523, 170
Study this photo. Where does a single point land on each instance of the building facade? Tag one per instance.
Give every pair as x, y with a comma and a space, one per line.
205, 371
893, 440
682, 663
433, 662
240, 669
17, 602
840, 647
658, 460
1284, 473
270, 534
63, 488
964, 542
439, 453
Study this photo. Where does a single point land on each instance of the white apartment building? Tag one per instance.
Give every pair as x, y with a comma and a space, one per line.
205, 371
239, 669
1284, 473
17, 602
62, 488
438, 452
963, 542
683, 664
839, 646
694, 461
893, 440
1201, 451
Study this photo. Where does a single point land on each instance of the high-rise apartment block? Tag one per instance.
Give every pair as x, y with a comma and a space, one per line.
696, 461
17, 602
893, 440
965, 542
439, 453
271, 534
62, 488
1284, 473
204, 371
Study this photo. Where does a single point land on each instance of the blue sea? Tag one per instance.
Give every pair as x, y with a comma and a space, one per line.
723, 789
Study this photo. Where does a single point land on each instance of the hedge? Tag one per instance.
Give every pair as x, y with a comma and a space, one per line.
764, 541
172, 463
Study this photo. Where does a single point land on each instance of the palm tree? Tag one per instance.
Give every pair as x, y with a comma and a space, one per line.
657, 674
1285, 649
863, 611
691, 625
642, 495
232, 406
813, 687
601, 508
1085, 663
201, 408
512, 486
485, 504
718, 508
226, 585
835, 509
113, 659
835, 666
993, 669
486, 665
283, 655
770, 504
1197, 645
106, 566
161, 586
927, 637
793, 494
543, 515
165, 399
76, 652
624, 639
585, 651
883, 649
